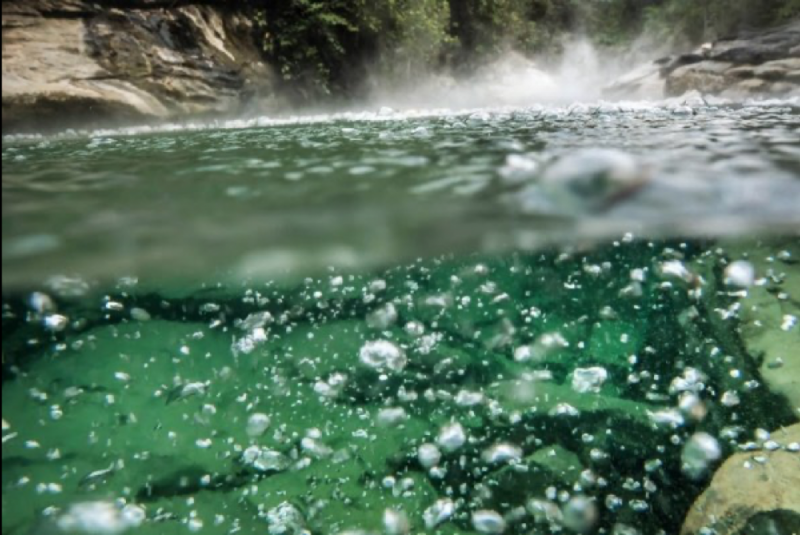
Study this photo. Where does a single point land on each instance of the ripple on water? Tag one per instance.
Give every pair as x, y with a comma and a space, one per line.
477, 178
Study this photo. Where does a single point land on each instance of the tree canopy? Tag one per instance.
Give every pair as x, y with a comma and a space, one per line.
327, 47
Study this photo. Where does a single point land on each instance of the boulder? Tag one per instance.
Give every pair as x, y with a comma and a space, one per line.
83, 64
762, 62
705, 76
752, 493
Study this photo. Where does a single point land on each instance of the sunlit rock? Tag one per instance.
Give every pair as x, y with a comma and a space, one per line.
768, 322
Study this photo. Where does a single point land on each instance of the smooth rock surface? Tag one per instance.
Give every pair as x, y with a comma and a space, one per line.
754, 63
751, 491
84, 64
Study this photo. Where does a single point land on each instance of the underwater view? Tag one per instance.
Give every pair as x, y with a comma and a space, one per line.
446, 324
424, 267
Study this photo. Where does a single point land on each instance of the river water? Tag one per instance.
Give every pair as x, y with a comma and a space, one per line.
525, 320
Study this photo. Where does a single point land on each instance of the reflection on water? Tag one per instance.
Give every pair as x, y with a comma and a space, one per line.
575, 320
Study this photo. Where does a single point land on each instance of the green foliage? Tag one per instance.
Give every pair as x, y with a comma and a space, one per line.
487, 28
328, 47
705, 20
415, 36
790, 10
321, 46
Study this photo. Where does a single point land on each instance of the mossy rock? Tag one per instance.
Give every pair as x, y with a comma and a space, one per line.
551, 465
612, 342
338, 496
102, 408
545, 398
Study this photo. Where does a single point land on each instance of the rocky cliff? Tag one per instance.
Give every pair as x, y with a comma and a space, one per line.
754, 63
81, 63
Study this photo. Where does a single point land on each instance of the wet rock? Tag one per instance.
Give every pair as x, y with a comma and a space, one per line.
339, 494
126, 65
585, 182
613, 342
115, 432
471, 305
769, 317
762, 62
777, 70
548, 466
705, 76
318, 351
753, 492
561, 401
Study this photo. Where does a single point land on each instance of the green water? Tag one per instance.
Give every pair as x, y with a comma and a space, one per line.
397, 324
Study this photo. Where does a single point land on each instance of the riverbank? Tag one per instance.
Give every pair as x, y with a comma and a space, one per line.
90, 65
81, 63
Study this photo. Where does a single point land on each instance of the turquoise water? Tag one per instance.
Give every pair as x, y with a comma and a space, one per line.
535, 321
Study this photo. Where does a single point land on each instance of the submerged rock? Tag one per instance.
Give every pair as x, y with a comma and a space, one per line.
584, 411
769, 316
551, 465
584, 182
752, 493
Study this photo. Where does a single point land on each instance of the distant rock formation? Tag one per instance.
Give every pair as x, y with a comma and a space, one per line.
79, 63
763, 63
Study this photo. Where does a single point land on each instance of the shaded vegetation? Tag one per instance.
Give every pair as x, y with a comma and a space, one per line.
326, 48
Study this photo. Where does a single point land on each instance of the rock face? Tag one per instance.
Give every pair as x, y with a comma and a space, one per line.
79, 63
752, 493
764, 63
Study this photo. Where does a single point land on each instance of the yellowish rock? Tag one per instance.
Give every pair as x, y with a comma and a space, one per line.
752, 493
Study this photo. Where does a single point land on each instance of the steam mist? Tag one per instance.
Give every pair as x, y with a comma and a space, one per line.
579, 75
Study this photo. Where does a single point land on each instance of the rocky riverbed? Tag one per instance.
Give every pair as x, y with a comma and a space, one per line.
577, 391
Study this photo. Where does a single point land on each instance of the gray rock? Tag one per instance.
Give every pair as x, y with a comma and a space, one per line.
766, 60
706, 76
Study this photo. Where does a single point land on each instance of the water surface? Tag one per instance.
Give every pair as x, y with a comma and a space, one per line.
524, 321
